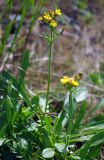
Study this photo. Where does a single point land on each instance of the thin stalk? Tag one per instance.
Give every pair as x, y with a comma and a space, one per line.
70, 122
49, 68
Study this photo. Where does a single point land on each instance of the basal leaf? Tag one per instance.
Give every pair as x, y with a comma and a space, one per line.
48, 153
60, 147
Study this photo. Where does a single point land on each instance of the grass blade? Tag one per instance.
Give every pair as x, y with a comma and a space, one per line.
80, 116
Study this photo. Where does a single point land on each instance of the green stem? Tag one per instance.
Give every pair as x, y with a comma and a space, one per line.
70, 122
49, 68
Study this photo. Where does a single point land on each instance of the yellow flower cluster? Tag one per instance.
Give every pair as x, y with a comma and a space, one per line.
53, 24
69, 81
49, 17
58, 12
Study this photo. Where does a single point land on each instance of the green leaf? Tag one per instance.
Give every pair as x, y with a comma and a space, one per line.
24, 8
80, 139
8, 106
99, 117
18, 86
15, 112
84, 150
75, 157
5, 37
27, 112
23, 144
80, 116
24, 65
33, 126
97, 120
94, 152
58, 123
60, 147
81, 94
48, 153
96, 123
3, 124
35, 101
66, 101
92, 129
48, 121
97, 142
46, 138
2, 140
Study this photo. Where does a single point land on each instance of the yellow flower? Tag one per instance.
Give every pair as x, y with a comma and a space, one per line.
69, 81
58, 12
47, 17
51, 13
65, 80
53, 24
40, 18
74, 83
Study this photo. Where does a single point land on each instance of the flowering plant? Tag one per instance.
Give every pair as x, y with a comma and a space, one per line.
49, 18
30, 132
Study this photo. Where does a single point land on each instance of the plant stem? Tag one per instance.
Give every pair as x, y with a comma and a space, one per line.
49, 68
70, 122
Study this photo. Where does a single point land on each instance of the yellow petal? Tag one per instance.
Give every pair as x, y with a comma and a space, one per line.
58, 12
